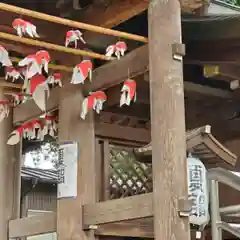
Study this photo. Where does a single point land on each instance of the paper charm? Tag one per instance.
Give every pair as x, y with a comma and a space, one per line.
4, 57
27, 130
43, 59
50, 126
110, 50
73, 36
82, 71
32, 128
121, 48
56, 78
94, 101
33, 63
128, 92
37, 87
25, 28
30, 67
11, 72
15, 136
4, 109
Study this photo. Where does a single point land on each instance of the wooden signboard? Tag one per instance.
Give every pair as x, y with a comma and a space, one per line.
67, 170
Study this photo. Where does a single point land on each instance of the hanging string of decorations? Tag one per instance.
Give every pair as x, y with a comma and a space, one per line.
34, 129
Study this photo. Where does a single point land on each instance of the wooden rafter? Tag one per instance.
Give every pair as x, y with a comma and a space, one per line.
113, 14
70, 23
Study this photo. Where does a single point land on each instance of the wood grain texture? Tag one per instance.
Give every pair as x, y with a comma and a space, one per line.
167, 121
72, 128
30, 226
8, 176
139, 206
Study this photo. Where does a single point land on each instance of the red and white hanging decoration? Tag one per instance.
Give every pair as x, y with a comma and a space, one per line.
55, 79
37, 86
4, 57
12, 73
82, 71
110, 50
73, 36
34, 129
121, 48
25, 28
93, 102
128, 92
50, 126
118, 49
4, 109
34, 63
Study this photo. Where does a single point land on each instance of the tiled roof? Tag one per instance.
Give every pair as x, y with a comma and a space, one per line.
40, 174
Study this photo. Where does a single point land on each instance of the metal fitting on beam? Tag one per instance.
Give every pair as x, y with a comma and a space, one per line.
90, 227
184, 207
178, 51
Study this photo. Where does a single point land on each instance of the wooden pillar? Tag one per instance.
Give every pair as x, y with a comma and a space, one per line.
9, 177
167, 120
72, 128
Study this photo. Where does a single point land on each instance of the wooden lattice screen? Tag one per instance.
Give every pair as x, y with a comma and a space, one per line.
128, 177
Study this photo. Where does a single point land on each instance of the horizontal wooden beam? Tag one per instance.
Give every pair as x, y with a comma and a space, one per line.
30, 226
142, 228
140, 206
113, 13
106, 76
209, 52
29, 110
114, 131
208, 91
139, 228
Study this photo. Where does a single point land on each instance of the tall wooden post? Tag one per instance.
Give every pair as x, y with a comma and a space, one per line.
9, 177
72, 128
167, 120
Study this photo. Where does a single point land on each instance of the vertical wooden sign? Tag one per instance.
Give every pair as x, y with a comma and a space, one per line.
67, 170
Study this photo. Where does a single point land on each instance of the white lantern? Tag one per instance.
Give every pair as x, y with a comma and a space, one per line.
198, 191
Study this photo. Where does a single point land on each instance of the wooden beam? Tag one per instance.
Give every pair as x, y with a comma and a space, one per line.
211, 55
201, 89
71, 24
208, 91
114, 131
128, 208
142, 228
30, 226
104, 77
113, 14
53, 47
29, 110
139, 228
167, 121
107, 76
